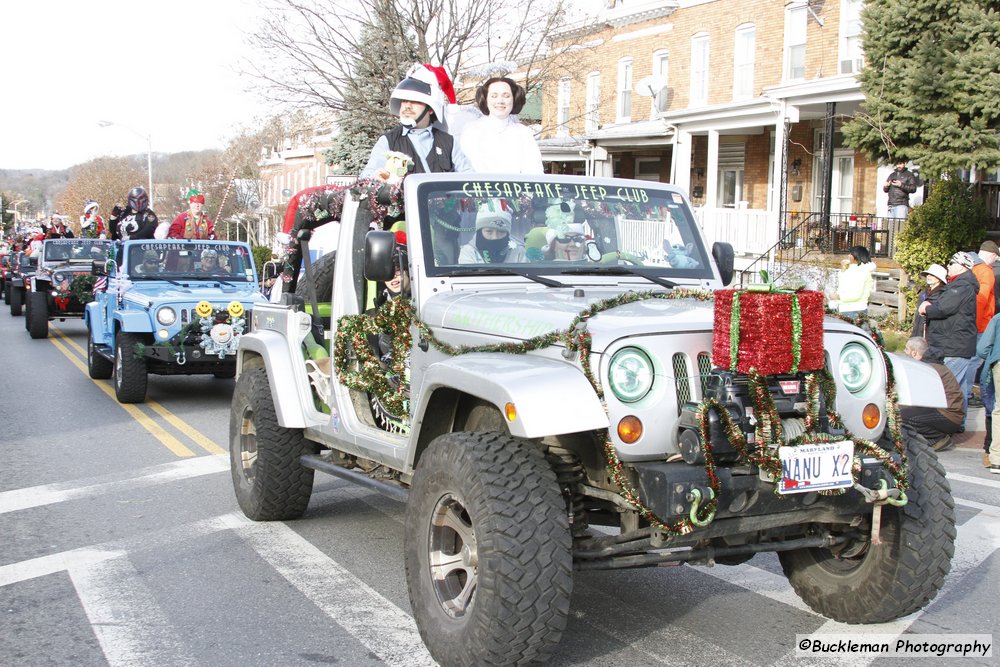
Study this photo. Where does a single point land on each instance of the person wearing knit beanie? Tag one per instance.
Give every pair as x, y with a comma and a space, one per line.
492, 243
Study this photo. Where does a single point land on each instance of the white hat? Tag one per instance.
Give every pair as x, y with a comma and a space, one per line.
937, 271
495, 215
427, 84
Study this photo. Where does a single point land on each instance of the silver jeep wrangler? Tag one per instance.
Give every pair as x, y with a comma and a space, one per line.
528, 362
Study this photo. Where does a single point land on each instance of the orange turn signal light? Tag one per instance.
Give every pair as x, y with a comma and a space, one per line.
510, 412
871, 415
629, 429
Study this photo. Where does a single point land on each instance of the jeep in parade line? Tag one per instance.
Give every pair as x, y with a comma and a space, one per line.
22, 268
584, 405
63, 283
170, 307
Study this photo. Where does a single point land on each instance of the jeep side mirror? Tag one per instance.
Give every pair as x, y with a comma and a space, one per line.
379, 247
98, 267
725, 259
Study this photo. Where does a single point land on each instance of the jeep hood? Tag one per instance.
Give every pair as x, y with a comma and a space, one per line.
160, 293
526, 313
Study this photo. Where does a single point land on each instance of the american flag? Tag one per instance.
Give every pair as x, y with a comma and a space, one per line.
100, 284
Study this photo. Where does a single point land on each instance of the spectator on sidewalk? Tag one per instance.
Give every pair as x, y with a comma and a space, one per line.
936, 277
989, 252
855, 282
989, 349
951, 322
937, 425
900, 184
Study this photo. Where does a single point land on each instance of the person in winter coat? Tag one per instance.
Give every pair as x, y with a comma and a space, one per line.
900, 184
985, 297
492, 243
989, 349
936, 277
936, 424
192, 224
855, 282
951, 322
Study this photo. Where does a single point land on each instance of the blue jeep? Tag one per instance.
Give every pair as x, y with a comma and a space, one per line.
170, 307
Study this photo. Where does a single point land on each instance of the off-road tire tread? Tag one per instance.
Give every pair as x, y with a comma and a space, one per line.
918, 561
38, 315
321, 276
134, 373
524, 546
282, 485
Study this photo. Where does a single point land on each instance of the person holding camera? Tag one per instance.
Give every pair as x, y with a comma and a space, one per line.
900, 184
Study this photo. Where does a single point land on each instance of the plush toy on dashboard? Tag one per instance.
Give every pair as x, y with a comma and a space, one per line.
679, 255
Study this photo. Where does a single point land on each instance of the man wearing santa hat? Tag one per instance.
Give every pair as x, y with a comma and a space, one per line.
192, 224
419, 101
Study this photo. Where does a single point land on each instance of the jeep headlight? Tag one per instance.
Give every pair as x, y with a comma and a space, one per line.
855, 367
630, 374
166, 316
58, 277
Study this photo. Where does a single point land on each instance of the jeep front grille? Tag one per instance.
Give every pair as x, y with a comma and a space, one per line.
683, 385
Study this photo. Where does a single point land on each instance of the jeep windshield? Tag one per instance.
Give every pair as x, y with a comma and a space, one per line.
186, 261
76, 251
560, 225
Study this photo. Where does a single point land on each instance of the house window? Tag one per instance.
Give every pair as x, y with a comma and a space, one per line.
699, 70
647, 168
743, 62
562, 111
795, 41
661, 62
592, 119
851, 55
624, 90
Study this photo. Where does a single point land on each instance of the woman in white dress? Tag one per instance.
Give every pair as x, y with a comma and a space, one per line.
498, 142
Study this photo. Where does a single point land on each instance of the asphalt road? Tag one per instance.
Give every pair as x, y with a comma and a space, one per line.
121, 543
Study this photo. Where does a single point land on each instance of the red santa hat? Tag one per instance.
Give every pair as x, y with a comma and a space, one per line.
195, 197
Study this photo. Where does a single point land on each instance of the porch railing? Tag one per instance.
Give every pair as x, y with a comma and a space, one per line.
749, 231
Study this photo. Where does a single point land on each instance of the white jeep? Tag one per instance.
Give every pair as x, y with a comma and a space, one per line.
558, 408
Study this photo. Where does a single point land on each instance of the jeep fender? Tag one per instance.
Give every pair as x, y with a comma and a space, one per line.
551, 397
917, 383
291, 406
134, 321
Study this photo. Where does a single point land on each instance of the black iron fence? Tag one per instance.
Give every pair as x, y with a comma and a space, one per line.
842, 232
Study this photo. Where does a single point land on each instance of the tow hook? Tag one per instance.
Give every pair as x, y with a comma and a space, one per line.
694, 497
181, 359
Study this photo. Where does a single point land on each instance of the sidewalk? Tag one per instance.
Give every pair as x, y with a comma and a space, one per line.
975, 430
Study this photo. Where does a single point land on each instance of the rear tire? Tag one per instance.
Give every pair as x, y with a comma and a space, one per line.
6, 293
38, 315
270, 482
129, 371
897, 577
488, 551
16, 300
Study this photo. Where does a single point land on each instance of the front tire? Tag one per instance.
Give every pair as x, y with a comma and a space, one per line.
98, 367
16, 300
38, 315
488, 551
129, 371
6, 293
270, 482
898, 576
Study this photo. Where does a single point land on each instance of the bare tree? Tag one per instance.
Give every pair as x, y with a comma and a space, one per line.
309, 49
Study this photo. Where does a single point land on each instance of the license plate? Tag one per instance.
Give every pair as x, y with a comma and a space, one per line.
816, 467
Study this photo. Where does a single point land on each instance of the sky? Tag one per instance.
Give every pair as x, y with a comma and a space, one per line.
163, 69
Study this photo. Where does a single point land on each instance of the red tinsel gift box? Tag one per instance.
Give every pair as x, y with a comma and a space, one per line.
764, 336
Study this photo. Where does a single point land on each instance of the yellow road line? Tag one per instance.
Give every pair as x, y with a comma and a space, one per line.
197, 436
158, 432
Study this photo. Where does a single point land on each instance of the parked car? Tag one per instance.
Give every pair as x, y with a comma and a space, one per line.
22, 268
171, 307
63, 282
566, 410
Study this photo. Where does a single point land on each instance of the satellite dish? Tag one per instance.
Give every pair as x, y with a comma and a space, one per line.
650, 86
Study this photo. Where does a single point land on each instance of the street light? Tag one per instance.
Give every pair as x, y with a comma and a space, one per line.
149, 151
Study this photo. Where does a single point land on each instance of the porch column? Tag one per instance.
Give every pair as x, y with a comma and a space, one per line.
712, 170
778, 168
682, 161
